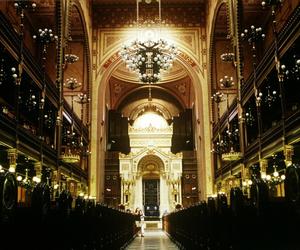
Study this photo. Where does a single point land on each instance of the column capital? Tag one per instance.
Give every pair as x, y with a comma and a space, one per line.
12, 155
288, 151
38, 168
263, 164
245, 172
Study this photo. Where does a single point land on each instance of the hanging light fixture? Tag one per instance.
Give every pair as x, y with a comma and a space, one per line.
70, 58
227, 82
83, 99
149, 57
71, 154
232, 132
219, 144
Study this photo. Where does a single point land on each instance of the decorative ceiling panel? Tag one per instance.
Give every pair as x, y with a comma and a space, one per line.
120, 16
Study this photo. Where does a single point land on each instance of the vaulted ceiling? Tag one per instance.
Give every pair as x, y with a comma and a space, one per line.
121, 13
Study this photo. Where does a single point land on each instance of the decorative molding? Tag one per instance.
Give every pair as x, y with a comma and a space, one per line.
173, 15
106, 41
150, 129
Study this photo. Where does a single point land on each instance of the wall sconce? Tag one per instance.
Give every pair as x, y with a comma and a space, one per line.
226, 82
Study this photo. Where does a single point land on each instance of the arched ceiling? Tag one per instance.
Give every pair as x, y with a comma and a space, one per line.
150, 164
176, 82
79, 70
159, 95
174, 92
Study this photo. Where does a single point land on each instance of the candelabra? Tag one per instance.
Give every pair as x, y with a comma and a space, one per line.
45, 37
218, 97
71, 58
83, 99
292, 72
150, 57
49, 119
258, 97
2, 72
226, 82
227, 57
231, 134
249, 117
71, 155
273, 179
272, 3
219, 145
25, 182
270, 97
20, 7
72, 83
247, 182
31, 101
15, 75
253, 35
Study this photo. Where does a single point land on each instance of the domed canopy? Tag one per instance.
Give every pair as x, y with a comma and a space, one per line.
150, 119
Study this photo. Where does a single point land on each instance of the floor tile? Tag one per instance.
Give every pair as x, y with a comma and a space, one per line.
152, 240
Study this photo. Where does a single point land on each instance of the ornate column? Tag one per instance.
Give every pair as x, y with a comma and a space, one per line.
263, 163
169, 192
245, 180
12, 155
288, 151
179, 191
38, 169
122, 190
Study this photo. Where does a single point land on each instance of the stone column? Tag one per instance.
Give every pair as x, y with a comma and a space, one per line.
12, 155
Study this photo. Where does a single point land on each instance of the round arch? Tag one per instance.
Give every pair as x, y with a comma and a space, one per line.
86, 50
156, 86
150, 166
201, 107
219, 4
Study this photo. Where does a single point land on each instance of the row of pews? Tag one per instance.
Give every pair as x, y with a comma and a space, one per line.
241, 223
57, 225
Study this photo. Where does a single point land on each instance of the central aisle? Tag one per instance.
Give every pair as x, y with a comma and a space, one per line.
154, 240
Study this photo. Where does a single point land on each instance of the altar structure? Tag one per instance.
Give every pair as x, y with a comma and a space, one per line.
151, 173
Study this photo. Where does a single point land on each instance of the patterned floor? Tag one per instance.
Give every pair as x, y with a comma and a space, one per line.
152, 240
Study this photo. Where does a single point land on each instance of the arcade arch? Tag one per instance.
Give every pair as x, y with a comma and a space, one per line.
101, 102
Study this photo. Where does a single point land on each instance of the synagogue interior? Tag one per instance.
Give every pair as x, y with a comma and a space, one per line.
180, 118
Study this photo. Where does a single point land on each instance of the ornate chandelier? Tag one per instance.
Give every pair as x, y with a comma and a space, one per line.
149, 58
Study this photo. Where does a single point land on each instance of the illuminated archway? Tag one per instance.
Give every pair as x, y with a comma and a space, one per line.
101, 78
